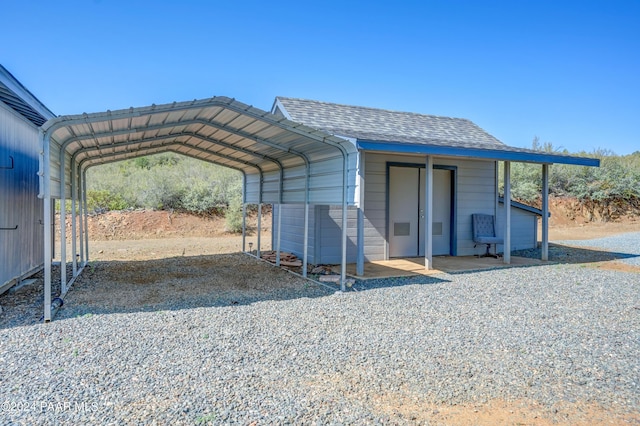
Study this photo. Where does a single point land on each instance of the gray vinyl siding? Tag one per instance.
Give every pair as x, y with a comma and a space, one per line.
292, 236
325, 235
21, 250
329, 220
524, 228
475, 194
375, 206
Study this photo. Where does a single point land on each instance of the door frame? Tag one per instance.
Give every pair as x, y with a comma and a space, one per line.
453, 217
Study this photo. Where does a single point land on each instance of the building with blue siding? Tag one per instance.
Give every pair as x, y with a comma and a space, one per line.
21, 220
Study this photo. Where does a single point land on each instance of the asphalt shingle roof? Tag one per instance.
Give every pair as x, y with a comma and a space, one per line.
383, 125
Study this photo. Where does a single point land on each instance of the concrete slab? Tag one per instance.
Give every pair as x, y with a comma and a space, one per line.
448, 264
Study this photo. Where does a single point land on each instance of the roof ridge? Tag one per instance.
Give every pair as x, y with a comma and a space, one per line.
375, 109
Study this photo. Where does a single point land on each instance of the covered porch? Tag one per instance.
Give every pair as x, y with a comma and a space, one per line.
472, 191
406, 267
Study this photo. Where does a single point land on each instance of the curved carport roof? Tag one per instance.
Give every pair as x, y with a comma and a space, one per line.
278, 157
282, 162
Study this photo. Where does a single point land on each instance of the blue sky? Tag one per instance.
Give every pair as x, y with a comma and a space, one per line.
565, 71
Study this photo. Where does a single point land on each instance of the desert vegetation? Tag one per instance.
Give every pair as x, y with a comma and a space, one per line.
609, 191
167, 182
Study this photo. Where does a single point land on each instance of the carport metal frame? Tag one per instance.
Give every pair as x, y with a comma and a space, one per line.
81, 131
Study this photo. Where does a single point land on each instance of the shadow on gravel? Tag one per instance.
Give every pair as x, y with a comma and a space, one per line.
223, 280
570, 254
370, 284
108, 287
558, 254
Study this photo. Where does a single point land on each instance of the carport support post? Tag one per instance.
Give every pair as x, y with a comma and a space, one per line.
63, 226
48, 231
74, 233
360, 224
244, 212
259, 228
428, 229
545, 212
278, 233
507, 212
244, 226
86, 217
81, 217
305, 249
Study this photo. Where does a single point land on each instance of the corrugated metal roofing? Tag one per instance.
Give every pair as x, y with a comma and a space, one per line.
407, 132
12, 100
17, 97
272, 152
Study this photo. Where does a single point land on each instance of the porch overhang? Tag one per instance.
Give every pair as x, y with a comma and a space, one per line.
446, 149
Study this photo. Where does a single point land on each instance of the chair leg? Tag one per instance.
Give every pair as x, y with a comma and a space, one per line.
489, 254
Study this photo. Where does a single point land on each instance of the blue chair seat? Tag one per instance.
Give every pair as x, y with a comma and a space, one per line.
484, 232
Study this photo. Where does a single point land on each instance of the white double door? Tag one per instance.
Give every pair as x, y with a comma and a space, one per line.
407, 213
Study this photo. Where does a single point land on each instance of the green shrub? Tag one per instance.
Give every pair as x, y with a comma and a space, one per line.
105, 200
617, 178
233, 215
168, 181
201, 198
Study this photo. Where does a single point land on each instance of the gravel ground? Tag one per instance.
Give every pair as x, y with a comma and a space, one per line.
231, 340
627, 245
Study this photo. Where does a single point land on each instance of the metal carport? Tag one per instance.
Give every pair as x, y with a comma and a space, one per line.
281, 162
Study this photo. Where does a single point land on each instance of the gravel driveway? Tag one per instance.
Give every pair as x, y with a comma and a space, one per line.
230, 340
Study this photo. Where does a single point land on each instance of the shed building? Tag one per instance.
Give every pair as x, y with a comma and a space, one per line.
21, 211
403, 160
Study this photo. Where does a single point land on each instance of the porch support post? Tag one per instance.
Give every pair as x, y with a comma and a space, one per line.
507, 212
428, 208
545, 212
360, 248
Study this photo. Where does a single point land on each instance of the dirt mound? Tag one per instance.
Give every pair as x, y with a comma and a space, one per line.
145, 224
566, 211
134, 225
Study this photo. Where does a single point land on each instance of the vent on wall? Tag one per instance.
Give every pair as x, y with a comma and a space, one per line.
437, 228
401, 229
